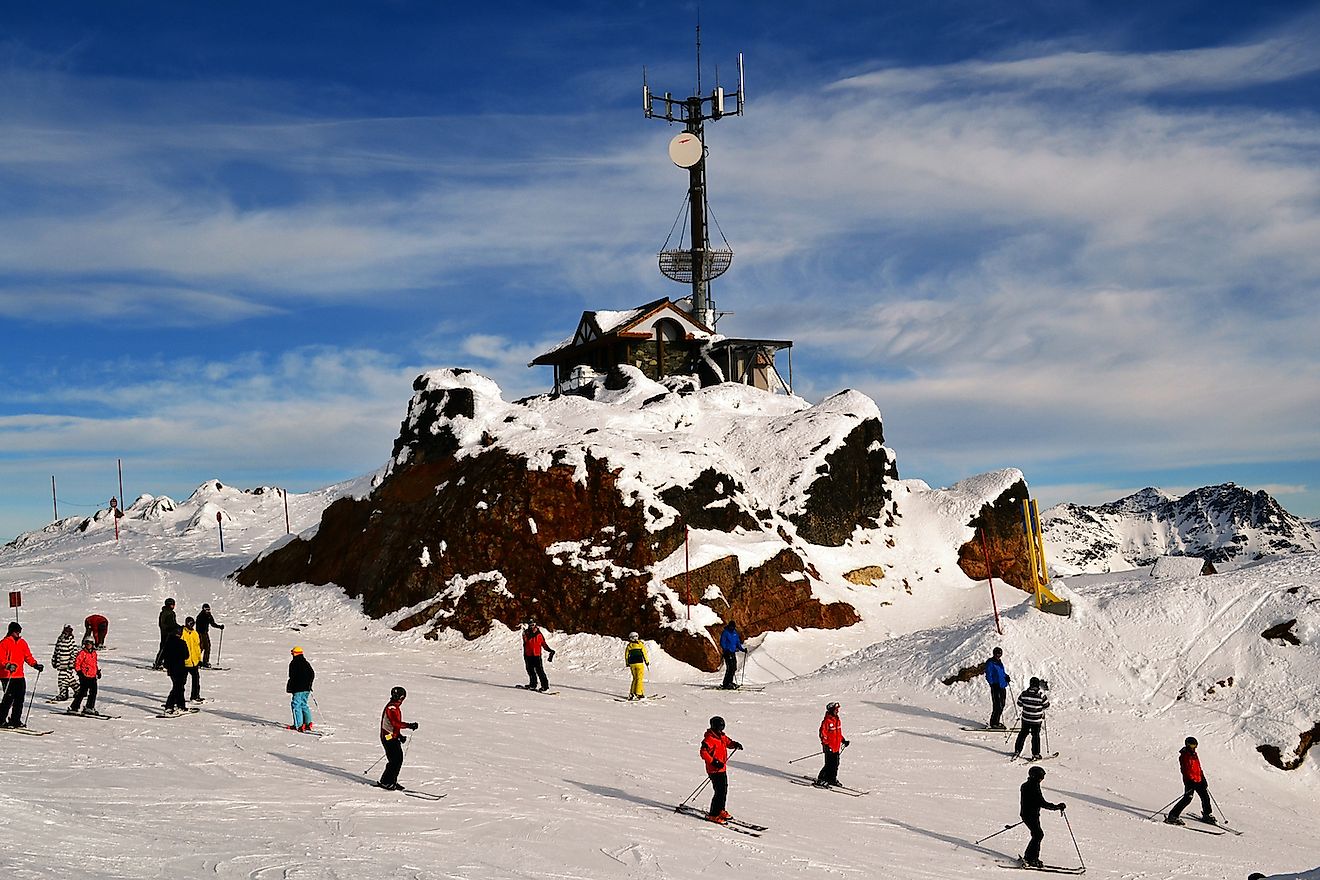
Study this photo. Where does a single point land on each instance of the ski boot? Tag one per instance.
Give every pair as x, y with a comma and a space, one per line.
1173, 820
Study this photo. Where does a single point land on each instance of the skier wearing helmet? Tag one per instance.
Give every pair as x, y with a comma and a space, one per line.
1032, 803
1193, 783
636, 659
715, 746
392, 727
832, 745
88, 669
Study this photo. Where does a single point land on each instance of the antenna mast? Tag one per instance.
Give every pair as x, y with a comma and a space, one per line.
699, 264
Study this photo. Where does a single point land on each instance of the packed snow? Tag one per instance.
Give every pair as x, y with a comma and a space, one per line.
580, 785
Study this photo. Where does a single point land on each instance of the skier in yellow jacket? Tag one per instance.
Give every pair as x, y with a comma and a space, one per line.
193, 639
636, 659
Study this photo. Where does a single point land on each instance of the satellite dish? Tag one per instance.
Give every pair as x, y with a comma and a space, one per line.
685, 150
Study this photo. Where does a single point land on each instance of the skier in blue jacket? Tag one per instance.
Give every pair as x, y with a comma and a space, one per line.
730, 644
998, 680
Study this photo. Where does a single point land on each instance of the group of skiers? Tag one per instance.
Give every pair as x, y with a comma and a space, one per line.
183, 649
1032, 703
184, 652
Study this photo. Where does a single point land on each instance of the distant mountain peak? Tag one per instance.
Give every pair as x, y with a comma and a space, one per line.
1226, 524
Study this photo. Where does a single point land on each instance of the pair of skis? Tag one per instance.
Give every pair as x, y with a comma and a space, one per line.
650, 699
1216, 829
737, 825
837, 789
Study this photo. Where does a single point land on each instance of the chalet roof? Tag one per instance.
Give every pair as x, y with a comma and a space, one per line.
595, 326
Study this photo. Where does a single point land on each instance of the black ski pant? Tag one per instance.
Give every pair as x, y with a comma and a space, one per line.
11, 707
720, 783
160, 655
1033, 728
204, 637
1190, 788
1032, 821
535, 673
86, 688
178, 677
393, 760
998, 696
830, 772
730, 668
196, 678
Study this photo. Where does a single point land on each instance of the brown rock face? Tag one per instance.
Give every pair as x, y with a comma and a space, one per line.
1274, 755
463, 532
1001, 523
852, 489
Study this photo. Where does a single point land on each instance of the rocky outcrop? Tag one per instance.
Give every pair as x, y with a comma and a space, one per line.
564, 509
1273, 755
1004, 545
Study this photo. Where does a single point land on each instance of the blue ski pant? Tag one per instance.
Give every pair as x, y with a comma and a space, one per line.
301, 714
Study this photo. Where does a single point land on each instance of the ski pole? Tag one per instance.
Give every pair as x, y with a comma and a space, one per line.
1045, 729
997, 833
742, 673
1215, 801
317, 705
1162, 809
373, 765
33, 696
804, 757
219, 646
695, 792
1074, 837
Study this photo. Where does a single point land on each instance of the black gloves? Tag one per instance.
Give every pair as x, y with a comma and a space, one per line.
402, 739
846, 743
41, 667
9, 667
717, 765
219, 626
413, 726
735, 745
1062, 806
552, 656
98, 673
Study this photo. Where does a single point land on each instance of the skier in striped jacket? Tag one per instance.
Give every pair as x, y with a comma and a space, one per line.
1033, 702
62, 659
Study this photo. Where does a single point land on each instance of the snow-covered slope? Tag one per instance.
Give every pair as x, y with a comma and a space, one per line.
1227, 525
580, 785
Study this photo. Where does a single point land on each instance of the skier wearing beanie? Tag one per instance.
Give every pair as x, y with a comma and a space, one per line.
206, 620
89, 670
636, 659
301, 676
392, 727
1033, 702
1032, 803
832, 745
715, 746
1193, 783
62, 659
14, 655
168, 623
998, 679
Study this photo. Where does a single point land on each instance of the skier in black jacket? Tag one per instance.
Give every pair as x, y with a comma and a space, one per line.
206, 620
1032, 803
175, 651
168, 624
301, 676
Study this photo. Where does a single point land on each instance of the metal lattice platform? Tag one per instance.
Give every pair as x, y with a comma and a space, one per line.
677, 265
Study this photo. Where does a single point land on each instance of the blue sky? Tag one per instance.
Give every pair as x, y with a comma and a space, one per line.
1075, 238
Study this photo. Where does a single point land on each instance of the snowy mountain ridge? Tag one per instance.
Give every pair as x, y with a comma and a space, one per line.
1227, 525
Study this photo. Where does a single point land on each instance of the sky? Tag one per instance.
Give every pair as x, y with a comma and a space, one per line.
1077, 238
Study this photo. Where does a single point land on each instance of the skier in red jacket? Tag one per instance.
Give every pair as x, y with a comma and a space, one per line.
533, 645
392, 727
96, 626
88, 668
715, 748
832, 744
14, 654
1193, 783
